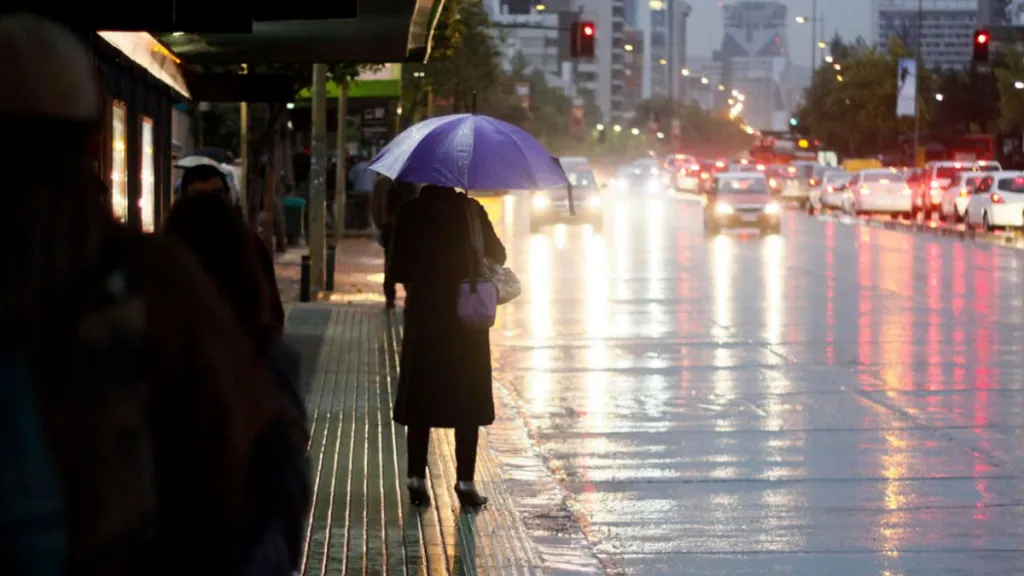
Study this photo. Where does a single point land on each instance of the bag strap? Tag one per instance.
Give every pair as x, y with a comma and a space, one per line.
476, 242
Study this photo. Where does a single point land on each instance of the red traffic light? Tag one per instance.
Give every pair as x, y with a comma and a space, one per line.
981, 38
588, 29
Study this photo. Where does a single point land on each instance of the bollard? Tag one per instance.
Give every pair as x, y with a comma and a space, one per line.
304, 278
329, 270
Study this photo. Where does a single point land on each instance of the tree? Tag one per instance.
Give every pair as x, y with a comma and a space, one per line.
700, 131
853, 109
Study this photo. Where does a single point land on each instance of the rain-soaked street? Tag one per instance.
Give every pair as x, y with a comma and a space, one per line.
837, 400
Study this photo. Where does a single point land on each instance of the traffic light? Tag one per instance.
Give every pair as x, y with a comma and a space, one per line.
794, 122
581, 39
982, 40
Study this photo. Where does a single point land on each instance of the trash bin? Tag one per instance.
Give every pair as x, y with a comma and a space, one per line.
294, 219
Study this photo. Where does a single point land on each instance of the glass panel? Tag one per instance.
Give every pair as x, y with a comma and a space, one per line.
148, 191
119, 162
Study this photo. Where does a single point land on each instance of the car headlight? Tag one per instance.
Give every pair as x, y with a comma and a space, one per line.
541, 201
654, 186
593, 202
772, 208
723, 209
654, 171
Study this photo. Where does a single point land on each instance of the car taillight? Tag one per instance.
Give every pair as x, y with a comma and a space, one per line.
773, 183
760, 167
695, 167
704, 175
963, 193
814, 182
830, 189
934, 184
907, 192
996, 198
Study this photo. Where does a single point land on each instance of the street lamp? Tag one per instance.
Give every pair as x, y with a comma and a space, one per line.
705, 80
801, 19
940, 97
628, 47
721, 87
822, 44
540, 7
829, 59
617, 128
837, 67
685, 72
600, 127
635, 131
1018, 85
663, 62
839, 77
661, 135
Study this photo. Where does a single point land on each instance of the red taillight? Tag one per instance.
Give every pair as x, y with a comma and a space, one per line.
963, 193
814, 181
996, 198
772, 182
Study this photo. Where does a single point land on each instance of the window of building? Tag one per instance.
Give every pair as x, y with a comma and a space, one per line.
119, 161
148, 184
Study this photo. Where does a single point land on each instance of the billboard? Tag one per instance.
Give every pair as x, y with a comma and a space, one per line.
906, 88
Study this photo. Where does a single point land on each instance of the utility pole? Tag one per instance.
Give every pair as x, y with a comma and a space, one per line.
814, 40
340, 173
917, 79
671, 43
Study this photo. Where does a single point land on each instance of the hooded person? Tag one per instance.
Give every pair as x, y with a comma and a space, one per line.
130, 395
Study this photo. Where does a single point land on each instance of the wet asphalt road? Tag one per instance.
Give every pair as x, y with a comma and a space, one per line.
834, 400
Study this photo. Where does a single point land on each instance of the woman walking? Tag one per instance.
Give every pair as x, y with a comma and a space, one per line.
445, 368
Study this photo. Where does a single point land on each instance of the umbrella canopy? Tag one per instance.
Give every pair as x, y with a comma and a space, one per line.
470, 152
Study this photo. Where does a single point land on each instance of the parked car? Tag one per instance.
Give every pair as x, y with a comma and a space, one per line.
879, 191
997, 202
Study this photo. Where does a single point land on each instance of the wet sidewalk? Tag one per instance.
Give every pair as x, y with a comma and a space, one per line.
362, 522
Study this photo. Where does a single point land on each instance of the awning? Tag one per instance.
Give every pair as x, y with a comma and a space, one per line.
147, 52
383, 31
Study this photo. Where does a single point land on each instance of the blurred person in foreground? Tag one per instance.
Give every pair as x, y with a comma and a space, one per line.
206, 179
130, 398
388, 197
210, 227
445, 368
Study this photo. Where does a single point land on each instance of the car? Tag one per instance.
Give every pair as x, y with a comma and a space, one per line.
938, 175
552, 206
956, 196
814, 202
776, 175
835, 189
683, 172
635, 178
741, 200
804, 176
997, 202
880, 191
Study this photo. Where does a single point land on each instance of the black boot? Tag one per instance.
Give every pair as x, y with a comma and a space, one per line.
418, 494
468, 496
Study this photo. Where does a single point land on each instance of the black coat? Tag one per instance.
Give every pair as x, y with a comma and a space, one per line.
445, 369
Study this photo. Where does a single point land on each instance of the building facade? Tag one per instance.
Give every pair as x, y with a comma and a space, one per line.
605, 75
944, 28
754, 61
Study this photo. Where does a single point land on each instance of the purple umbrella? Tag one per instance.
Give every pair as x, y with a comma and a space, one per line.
470, 152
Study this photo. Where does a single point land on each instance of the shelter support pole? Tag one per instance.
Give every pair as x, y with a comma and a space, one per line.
340, 173
318, 178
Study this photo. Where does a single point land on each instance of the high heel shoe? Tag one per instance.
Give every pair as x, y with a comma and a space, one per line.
418, 494
468, 496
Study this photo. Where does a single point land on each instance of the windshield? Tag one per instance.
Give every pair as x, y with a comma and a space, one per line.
1012, 184
838, 177
970, 181
752, 185
946, 172
882, 178
992, 167
581, 178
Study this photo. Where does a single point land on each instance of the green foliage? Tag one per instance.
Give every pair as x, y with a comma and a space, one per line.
1009, 69
853, 109
700, 131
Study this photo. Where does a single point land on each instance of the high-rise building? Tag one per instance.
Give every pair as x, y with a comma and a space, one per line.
663, 23
994, 12
534, 36
633, 46
1015, 12
754, 61
944, 28
605, 75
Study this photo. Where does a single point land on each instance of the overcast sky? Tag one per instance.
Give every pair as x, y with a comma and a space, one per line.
852, 18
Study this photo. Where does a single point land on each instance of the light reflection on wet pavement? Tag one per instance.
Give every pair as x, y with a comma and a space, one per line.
837, 400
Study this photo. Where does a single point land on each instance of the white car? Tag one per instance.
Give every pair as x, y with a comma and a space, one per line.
997, 202
816, 200
879, 191
804, 176
836, 190
956, 197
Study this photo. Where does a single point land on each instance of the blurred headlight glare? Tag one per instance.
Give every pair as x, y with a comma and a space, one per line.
722, 208
772, 208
